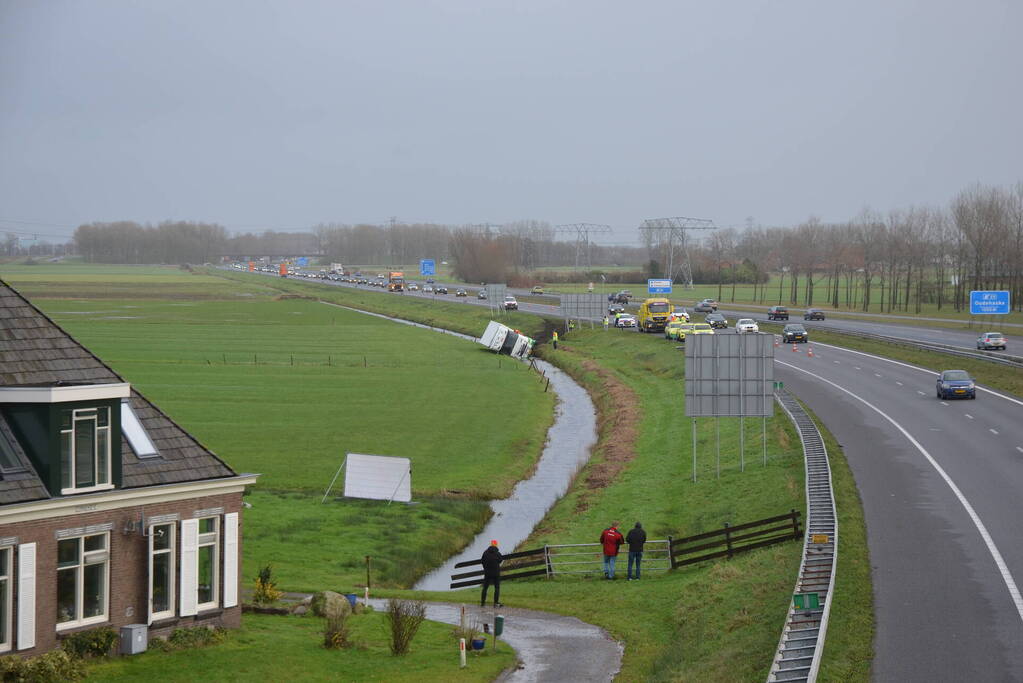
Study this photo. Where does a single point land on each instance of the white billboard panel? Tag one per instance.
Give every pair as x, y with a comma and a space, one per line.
378, 477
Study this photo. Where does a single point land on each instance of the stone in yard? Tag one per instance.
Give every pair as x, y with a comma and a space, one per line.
330, 604
300, 610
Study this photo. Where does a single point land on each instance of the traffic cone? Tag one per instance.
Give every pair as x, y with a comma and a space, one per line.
809, 351
776, 342
794, 349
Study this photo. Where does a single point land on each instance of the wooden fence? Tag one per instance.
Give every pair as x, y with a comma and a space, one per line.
725, 542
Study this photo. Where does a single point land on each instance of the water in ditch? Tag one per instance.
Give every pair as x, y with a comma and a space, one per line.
568, 445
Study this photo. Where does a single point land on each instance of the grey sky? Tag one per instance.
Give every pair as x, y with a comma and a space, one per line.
286, 114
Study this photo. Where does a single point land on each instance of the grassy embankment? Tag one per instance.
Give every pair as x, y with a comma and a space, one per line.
286, 387
273, 648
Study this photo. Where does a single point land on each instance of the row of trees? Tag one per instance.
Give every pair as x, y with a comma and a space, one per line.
895, 262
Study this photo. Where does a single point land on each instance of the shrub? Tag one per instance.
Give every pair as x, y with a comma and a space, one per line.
188, 638
266, 591
336, 633
403, 620
95, 642
55, 666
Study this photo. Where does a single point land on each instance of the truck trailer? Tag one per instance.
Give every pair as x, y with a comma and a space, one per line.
503, 339
396, 282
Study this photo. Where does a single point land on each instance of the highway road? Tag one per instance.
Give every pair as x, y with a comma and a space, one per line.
940, 483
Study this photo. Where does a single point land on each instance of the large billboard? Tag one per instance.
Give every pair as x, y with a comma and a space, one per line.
729, 375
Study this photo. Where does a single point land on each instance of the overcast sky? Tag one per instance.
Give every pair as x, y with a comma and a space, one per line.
283, 115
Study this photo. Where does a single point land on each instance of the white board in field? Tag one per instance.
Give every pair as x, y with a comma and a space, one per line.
379, 477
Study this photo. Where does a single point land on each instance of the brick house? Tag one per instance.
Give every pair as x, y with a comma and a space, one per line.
110, 513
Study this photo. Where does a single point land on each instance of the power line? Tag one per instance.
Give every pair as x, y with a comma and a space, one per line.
677, 227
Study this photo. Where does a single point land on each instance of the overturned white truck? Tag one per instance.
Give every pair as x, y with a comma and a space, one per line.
503, 339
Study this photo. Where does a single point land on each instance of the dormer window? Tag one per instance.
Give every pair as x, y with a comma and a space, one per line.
85, 449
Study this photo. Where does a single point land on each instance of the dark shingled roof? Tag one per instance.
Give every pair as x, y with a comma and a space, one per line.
35, 351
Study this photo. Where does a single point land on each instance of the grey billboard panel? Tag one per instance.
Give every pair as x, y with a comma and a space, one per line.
729, 375
590, 306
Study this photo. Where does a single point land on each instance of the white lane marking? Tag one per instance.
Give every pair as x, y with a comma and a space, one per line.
993, 431
968, 416
996, 555
1019, 448
876, 375
943, 403
915, 367
836, 362
920, 392
898, 382
857, 367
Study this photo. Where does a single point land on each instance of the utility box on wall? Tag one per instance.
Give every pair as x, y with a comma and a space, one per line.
134, 639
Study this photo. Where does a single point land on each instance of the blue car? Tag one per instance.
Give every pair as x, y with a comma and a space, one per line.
956, 384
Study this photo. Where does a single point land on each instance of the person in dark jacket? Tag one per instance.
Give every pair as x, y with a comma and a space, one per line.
491, 574
635, 539
610, 539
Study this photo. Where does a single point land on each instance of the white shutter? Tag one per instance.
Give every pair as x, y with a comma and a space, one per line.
231, 559
26, 596
149, 580
189, 567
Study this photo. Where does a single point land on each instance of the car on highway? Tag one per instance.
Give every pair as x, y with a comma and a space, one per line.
413, 287
717, 321
536, 290
622, 297
440, 290
746, 325
481, 294
510, 304
991, 340
429, 281
794, 333
813, 314
706, 306
956, 384
615, 309
778, 313
680, 314
626, 320
461, 292
428, 289
672, 329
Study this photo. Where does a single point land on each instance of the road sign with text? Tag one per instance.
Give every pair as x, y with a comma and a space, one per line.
427, 266
658, 286
992, 302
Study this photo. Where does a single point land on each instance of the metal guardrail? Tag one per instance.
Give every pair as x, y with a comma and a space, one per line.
801, 645
1002, 359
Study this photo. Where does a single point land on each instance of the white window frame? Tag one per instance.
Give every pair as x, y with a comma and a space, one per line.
172, 570
97, 557
208, 539
5, 592
138, 437
70, 432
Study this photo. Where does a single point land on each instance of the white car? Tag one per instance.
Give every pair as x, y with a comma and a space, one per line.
625, 321
746, 325
510, 304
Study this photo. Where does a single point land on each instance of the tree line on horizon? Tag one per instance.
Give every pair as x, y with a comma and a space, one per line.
901, 260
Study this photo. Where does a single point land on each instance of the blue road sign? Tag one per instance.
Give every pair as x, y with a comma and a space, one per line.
658, 286
303, 261
994, 302
427, 266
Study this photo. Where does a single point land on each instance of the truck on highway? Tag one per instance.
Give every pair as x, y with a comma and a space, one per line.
654, 314
396, 282
503, 339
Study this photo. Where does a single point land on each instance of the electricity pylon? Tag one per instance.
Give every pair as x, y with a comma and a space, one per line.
582, 232
676, 230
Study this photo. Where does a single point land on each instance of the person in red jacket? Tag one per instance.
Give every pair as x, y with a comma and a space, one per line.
611, 539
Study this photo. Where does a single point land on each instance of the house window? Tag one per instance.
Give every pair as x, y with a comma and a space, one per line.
5, 599
161, 571
82, 578
84, 449
209, 562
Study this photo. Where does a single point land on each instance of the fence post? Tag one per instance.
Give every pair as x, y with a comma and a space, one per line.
547, 560
795, 524
728, 540
671, 555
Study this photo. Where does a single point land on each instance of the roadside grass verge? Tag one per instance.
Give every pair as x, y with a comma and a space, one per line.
289, 648
653, 484
991, 375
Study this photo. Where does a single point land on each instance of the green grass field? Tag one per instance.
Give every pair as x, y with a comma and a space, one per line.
288, 648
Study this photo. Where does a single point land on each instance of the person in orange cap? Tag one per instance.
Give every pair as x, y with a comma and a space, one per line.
491, 562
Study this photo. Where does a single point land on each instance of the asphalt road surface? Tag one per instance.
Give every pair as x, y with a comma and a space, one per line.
940, 483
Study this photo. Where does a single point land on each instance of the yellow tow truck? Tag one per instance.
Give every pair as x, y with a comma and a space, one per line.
654, 314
